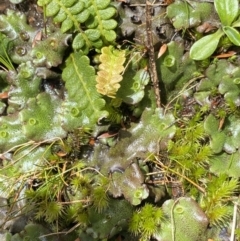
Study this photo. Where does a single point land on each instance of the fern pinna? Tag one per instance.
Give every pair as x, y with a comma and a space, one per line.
91, 20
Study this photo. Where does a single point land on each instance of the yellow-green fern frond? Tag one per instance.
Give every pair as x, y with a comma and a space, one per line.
110, 69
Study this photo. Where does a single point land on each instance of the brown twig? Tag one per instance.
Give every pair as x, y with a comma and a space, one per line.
150, 48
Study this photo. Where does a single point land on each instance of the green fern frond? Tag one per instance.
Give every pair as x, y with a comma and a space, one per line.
93, 20
83, 105
110, 69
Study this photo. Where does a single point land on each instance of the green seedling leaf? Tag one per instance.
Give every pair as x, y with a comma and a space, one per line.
236, 23
206, 46
227, 10
232, 34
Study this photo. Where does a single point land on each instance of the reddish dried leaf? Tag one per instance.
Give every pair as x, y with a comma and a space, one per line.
162, 50
225, 55
205, 27
107, 135
221, 123
38, 37
4, 95
91, 141
61, 153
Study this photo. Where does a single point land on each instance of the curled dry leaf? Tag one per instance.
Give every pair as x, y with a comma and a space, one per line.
162, 50
225, 55
205, 27
4, 95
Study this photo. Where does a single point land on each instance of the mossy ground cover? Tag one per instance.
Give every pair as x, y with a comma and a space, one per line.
119, 120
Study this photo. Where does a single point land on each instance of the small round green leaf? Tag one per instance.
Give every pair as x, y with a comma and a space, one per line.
83, 16
93, 34
109, 24
236, 23
102, 4
60, 17
77, 8
206, 46
97, 44
52, 9
66, 25
68, 3
43, 2
227, 10
107, 13
232, 34
78, 42
109, 35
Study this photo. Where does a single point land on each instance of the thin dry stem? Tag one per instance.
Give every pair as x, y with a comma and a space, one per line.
150, 47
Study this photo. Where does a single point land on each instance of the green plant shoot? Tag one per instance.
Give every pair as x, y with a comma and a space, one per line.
227, 11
